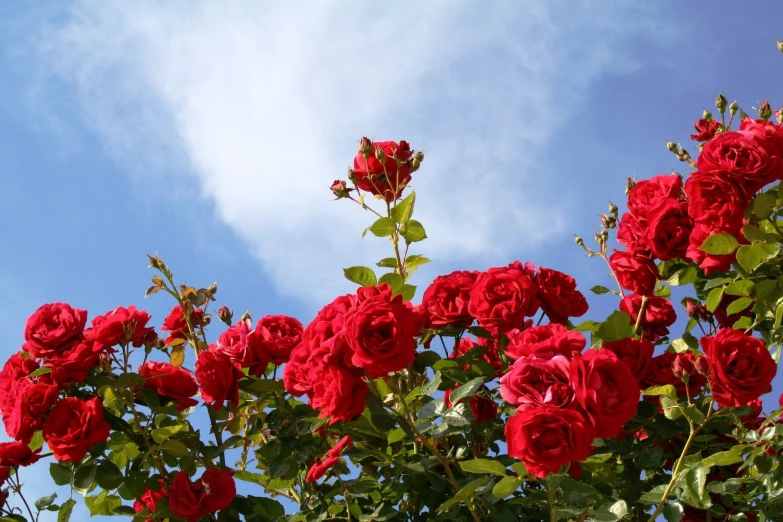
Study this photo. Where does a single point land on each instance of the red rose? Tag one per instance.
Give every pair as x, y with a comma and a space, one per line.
669, 229
708, 262
481, 406
558, 296
657, 317
170, 383
606, 389
52, 326
750, 159
240, 345
215, 490
537, 380
176, 324
716, 200
31, 406
632, 234
74, 361
279, 335
386, 172
16, 368
446, 299
122, 325
661, 372
74, 426
503, 296
705, 129
150, 498
338, 392
13, 454
490, 355
635, 272
741, 367
218, 377
380, 330
636, 354
323, 464
546, 438
550, 338
648, 193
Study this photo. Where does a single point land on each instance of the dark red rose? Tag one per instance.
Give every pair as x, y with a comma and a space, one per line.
708, 262
51, 327
752, 160
240, 344
13, 454
705, 129
176, 324
635, 272
73, 427
606, 389
16, 369
648, 193
170, 383
480, 404
386, 172
150, 498
30, 408
323, 464
668, 229
716, 200
218, 377
550, 338
657, 317
661, 372
539, 379
381, 331
503, 296
558, 296
546, 438
636, 354
214, 491
74, 361
632, 234
279, 335
338, 392
741, 367
123, 325
446, 299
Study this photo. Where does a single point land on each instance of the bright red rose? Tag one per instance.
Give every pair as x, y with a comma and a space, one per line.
380, 331
549, 338
123, 325
215, 490
74, 361
279, 335
558, 296
503, 296
13, 454
150, 498
635, 353
708, 262
338, 392
16, 368
446, 299
669, 229
606, 389
657, 317
241, 345
546, 438
73, 427
52, 326
176, 324
635, 272
30, 408
741, 367
632, 234
323, 464
170, 383
716, 200
490, 355
752, 160
648, 193
481, 405
218, 377
539, 379
385, 177
705, 129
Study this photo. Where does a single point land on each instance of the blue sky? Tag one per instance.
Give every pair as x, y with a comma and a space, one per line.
210, 133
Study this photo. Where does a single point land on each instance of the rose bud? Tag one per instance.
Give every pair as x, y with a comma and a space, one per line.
418, 157
671, 146
225, 315
683, 366
702, 366
608, 221
613, 210
765, 111
340, 189
380, 155
365, 146
707, 115
697, 311
721, 102
629, 184
733, 108
246, 317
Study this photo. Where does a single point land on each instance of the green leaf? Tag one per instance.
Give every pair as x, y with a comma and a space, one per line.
396, 436
617, 326
653, 496
725, 458
693, 487
361, 275
739, 305
507, 486
600, 290
671, 409
720, 244
463, 494
102, 504
413, 231
415, 260
666, 390
684, 276
175, 448
108, 476
764, 204
393, 280
432, 385
673, 512
741, 288
466, 390
37, 441
407, 292
44, 502
483, 466
714, 299
83, 478
610, 512
160, 435
64, 515
403, 211
750, 257
680, 346
40, 371
383, 227
61, 473
387, 262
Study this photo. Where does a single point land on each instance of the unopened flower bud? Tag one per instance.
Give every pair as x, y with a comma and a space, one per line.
212, 290
707, 115
225, 315
742, 115
351, 176
608, 221
779, 115
379, 155
579, 241
613, 210
365, 147
604, 236
671, 146
683, 155
721, 102
246, 317
340, 189
765, 111
702, 366
733, 108
683, 365
629, 185
780, 45
697, 311
418, 157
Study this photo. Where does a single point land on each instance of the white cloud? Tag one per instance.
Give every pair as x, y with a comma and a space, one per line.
265, 103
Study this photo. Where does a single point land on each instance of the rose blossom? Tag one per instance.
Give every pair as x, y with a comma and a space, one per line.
661, 372
490, 356
150, 498
705, 129
539, 379
481, 406
657, 317
218, 377
558, 296
669, 228
73, 427
635, 272
338, 392
750, 159
14, 454
30, 408
176, 324
550, 338
648, 193
122, 325
503, 296
714, 199
386, 178
323, 464
710, 263
632, 234
446, 299
240, 345
74, 361
52, 326
170, 383
279, 335
635, 353
215, 490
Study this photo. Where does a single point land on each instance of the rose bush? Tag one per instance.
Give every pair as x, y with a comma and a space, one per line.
527, 414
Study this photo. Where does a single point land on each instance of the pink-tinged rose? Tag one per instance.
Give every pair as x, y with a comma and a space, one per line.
323, 464
170, 383
385, 177
658, 314
550, 338
546, 438
637, 355
123, 325
558, 296
176, 324
446, 299
279, 335
648, 193
536, 380
73, 427
215, 490
51, 327
668, 229
218, 377
634, 271
705, 129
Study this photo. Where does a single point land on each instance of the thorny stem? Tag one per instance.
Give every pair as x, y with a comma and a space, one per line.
641, 314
